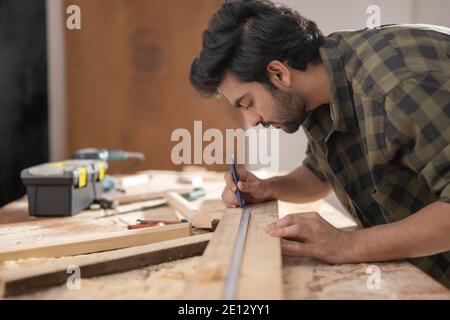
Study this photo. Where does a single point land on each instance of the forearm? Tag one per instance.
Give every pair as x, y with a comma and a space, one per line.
422, 234
299, 186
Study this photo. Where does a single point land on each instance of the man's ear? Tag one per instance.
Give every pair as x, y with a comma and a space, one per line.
279, 74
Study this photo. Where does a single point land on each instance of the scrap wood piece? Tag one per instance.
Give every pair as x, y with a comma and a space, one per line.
191, 212
261, 268
104, 242
13, 283
135, 207
131, 197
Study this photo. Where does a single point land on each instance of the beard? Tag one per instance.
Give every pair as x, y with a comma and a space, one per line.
290, 110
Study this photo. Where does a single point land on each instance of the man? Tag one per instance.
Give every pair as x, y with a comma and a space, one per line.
375, 106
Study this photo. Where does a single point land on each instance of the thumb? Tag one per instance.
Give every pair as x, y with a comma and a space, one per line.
247, 186
242, 174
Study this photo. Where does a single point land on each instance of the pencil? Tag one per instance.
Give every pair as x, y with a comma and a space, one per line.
236, 180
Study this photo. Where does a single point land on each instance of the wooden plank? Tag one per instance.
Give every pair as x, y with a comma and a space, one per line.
116, 240
180, 204
132, 197
208, 282
19, 282
191, 212
261, 270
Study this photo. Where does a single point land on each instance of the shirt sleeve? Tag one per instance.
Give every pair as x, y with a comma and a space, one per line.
417, 129
311, 162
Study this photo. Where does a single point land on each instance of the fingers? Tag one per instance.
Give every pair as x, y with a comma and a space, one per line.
243, 174
296, 218
229, 198
298, 249
229, 182
229, 194
248, 187
294, 231
284, 222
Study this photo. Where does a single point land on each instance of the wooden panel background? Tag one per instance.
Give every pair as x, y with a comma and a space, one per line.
127, 76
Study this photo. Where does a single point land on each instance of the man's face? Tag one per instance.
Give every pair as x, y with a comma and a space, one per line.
281, 109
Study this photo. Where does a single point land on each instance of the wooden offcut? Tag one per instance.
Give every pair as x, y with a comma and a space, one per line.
261, 268
41, 277
131, 198
115, 240
192, 213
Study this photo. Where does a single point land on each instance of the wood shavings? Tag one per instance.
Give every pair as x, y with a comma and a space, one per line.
211, 271
164, 281
305, 278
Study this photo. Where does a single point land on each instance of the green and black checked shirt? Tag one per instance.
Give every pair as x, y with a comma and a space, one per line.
383, 143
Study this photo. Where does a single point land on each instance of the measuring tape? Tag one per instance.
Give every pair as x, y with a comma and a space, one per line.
232, 279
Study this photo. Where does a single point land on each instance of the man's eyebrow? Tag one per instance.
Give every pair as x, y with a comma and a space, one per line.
237, 103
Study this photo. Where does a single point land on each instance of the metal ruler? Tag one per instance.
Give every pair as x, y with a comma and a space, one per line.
234, 269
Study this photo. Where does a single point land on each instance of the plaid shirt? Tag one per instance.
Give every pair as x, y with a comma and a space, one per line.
383, 143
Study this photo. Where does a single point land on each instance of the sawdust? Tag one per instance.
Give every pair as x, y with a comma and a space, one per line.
306, 278
24, 264
27, 263
165, 281
303, 278
211, 271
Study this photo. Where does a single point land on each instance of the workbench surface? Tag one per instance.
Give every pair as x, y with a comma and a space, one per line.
303, 278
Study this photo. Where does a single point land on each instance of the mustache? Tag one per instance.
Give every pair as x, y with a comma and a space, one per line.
288, 127
265, 124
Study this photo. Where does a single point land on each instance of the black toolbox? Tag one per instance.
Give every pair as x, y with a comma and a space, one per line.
63, 188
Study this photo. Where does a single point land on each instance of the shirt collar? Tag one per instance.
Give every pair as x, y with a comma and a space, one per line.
342, 106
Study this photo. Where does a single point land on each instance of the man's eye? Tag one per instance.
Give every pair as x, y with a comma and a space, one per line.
247, 107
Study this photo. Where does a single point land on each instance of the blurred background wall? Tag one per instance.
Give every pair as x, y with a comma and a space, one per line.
330, 15
127, 77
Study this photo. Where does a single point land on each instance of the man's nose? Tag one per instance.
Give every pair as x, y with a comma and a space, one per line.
252, 117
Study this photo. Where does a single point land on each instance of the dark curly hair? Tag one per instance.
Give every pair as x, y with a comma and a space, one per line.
245, 35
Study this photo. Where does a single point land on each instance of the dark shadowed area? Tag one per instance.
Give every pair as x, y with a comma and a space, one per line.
23, 92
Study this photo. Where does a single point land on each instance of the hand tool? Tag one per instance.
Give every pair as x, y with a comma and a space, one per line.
109, 155
152, 223
106, 155
234, 269
118, 208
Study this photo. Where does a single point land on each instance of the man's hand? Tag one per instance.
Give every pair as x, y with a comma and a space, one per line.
308, 234
253, 189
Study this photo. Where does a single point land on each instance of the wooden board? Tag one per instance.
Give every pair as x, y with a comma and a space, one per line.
191, 212
128, 198
303, 278
17, 283
97, 243
261, 269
